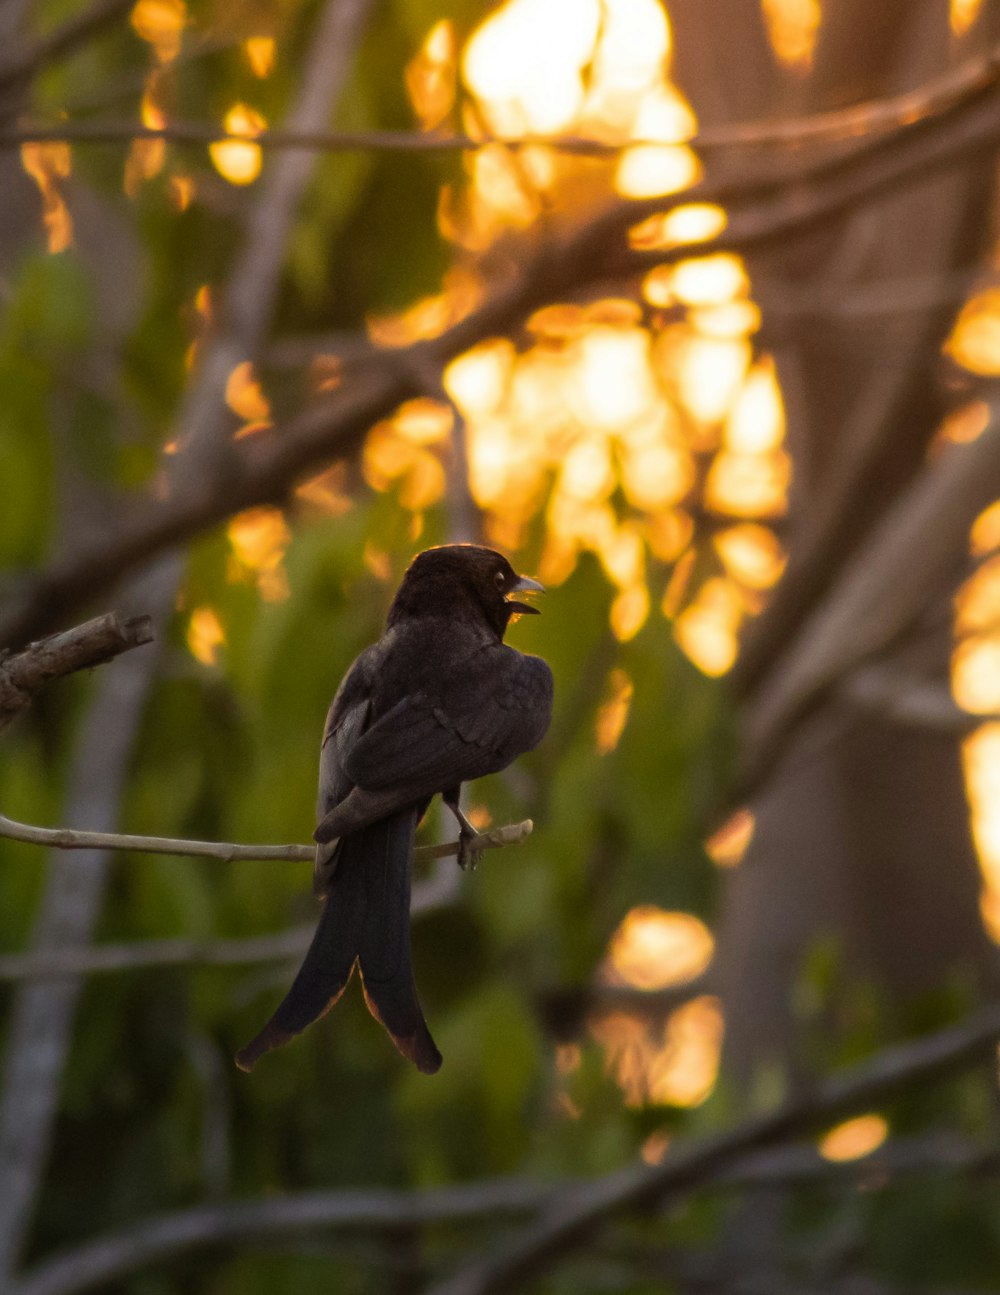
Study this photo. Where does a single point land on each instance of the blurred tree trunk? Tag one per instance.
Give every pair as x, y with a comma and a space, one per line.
862, 826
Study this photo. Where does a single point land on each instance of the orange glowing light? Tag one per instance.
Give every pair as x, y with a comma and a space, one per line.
751, 554
182, 191
525, 63
615, 385
749, 485
975, 674
431, 76
161, 24
655, 1147
658, 474
377, 561
326, 492
985, 535
146, 156
47, 163
792, 27
613, 713
653, 948
707, 629
704, 373
239, 160
981, 763
424, 421
963, 15
431, 315
694, 222
260, 52
756, 422
965, 424
675, 1067
731, 319
259, 539
975, 339
477, 381
244, 394
854, 1138
651, 170
668, 533
729, 843
205, 635
977, 603
710, 280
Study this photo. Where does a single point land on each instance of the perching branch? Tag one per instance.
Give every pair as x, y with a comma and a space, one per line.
576, 1214
64, 838
25, 673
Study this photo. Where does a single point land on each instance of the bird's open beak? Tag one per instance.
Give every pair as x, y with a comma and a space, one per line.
523, 585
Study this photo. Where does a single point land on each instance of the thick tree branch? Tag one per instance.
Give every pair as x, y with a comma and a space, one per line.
91, 644
263, 469
573, 1217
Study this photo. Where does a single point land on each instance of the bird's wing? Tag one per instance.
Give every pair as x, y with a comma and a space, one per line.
494, 708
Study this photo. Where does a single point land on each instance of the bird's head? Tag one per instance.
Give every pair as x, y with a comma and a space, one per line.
442, 580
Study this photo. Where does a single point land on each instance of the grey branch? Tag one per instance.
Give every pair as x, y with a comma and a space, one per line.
576, 1214
25, 673
65, 838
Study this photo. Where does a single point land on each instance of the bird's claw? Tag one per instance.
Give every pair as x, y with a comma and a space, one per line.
468, 852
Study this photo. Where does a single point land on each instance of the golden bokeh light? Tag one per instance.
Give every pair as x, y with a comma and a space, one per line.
693, 222
612, 714
975, 340
431, 76
751, 554
975, 674
260, 52
525, 64
676, 1065
854, 1138
258, 539
985, 534
146, 156
239, 160
710, 280
981, 763
707, 629
245, 396
161, 24
205, 635
793, 28
963, 14
652, 170
729, 843
756, 421
48, 163
654, 948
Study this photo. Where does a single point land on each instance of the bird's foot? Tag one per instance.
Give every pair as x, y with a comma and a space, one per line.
469, 853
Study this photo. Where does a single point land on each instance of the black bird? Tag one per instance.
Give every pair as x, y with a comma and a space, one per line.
438, 700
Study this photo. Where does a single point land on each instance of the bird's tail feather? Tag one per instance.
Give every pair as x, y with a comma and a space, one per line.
365, 922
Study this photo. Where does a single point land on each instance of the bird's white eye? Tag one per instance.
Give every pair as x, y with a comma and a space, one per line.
499, 579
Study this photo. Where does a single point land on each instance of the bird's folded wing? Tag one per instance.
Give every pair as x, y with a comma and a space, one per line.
494, 712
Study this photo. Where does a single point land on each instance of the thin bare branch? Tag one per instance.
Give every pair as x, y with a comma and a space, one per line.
64, 838
576, 1214
874, 117
80, 648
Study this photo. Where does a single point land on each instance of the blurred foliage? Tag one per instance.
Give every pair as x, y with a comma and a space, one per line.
93, 361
